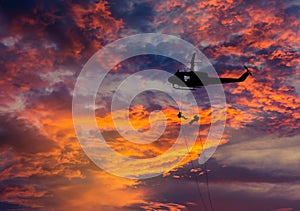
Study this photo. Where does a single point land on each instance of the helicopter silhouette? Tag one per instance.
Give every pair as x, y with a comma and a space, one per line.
188, 78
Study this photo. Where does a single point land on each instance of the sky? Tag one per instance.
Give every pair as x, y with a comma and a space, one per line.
46, 44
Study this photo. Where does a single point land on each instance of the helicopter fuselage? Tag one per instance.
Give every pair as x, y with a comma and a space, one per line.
193, 79
189, 79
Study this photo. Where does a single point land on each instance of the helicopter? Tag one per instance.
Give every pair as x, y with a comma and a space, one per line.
188, 78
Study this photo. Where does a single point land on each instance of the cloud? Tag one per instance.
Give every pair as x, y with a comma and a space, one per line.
47, 38
15, 133
163, 206
267, 154
137, 15
56, 174
97, 189
233, 195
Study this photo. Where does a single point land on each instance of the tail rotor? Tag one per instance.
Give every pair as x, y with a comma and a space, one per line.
248, 71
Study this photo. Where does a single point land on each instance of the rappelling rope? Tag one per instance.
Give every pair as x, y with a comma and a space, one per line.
196, 177
206, 176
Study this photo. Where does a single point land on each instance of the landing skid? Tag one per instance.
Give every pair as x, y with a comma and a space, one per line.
176, 86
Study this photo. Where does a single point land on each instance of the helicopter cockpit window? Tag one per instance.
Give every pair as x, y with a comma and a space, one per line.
186, 78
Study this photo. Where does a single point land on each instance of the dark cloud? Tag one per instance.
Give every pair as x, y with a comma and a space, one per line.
293, 10
12, 206
230, 188
23, 137
31, 11
58, 99
223, 173
15, 8
71, 27
137, 15
254, 154
224, 196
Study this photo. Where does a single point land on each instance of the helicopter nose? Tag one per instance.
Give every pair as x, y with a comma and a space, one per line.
172, 79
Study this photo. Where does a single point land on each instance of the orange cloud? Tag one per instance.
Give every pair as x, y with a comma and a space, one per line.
164, 206
99, 189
